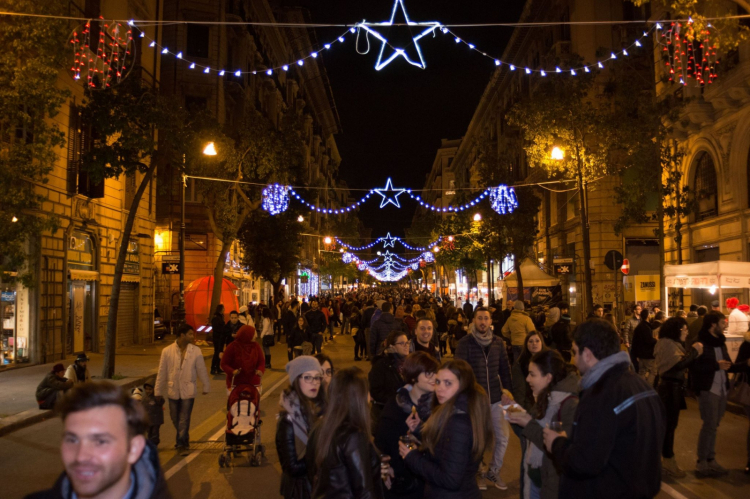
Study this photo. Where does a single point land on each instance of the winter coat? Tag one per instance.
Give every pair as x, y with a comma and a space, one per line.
52, 383
411, 323
614, 448
520, 388
366, 317
560, 334
468, 311
693, 329
219, 331
180, 377
154, 407
385, 381
149, 480
247, 354
433, 350
449, 473
490, 364
517, 327
704, 368
391, 426
230, 330
629, 328
351, 470
289, 322
297, 337
737, 322
380, 330
535, 434
71, 374
295, 482
642, 346
317, 321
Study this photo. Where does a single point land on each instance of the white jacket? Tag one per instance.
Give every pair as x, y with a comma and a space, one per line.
738, 323
179, 377
70, 373
267, 328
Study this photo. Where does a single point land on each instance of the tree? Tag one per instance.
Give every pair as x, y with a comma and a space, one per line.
271, 245
257, 152
33, 53
124, 121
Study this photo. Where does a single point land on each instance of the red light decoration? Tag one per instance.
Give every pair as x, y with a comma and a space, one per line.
106, 60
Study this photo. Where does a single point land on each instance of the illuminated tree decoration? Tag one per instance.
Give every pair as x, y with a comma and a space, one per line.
103, 53
415, 266
362, 266
503, 199
347, 258
275, 198
428, 257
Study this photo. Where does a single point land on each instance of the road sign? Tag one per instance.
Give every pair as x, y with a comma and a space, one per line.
613, 259
625, 269
170, 268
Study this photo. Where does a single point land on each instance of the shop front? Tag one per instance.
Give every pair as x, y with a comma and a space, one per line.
83, 279
14, 318
128, 310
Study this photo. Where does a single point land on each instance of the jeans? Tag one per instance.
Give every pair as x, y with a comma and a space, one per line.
712, 409
517, 350
317, 343
519, 433
153, 434
501, 428
647, 370
179, 411
534, 491
51, 400
345, 326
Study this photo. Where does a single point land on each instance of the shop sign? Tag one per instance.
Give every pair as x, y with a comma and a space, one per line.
8, 296
132, 258
170, 268
565, 268
80, 251
647, 288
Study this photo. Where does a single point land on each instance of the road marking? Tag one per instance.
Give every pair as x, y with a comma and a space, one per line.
672, 492
215, 437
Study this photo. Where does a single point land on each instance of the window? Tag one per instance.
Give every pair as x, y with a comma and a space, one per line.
705, 188
197, 40
80, 137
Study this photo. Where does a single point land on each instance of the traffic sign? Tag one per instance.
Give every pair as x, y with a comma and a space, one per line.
613, 259
625, 269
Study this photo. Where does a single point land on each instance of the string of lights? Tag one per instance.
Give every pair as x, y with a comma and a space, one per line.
387, 241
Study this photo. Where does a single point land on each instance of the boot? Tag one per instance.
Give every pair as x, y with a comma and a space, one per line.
268, 362
670, 467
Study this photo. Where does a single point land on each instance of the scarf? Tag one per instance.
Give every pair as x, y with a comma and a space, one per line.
668, 353
290, 404
601, 367
534, 454
484, 339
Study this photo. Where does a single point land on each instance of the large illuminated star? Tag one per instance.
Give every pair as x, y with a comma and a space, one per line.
388, 241
429, 27
392, 199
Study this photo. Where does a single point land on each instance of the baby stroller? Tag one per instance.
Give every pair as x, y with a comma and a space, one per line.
242, 433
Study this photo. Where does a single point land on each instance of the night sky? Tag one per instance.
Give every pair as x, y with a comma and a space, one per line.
393, 119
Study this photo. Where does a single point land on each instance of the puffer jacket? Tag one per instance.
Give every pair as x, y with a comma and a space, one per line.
244, 353
490, 366
351, 470
380, 330
449, 473
52, 383
517, 327
149, 480
629, 328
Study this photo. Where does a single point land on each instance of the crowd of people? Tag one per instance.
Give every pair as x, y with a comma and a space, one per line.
592, 405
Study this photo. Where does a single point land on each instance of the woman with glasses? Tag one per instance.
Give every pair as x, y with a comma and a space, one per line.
341, 459
385, 375
410, 406
326, 364
300, 406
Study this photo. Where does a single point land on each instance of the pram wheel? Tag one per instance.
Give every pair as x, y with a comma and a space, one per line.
257, 460
222, 461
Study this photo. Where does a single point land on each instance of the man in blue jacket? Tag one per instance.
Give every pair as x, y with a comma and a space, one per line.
488, 358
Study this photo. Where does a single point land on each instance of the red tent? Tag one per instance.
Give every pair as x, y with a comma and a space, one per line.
198, 300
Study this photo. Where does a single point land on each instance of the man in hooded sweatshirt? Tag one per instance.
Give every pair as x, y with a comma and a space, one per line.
518, 325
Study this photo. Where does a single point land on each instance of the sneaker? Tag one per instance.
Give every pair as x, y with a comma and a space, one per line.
702, 470
481, 482
670, 467
717, 468
495, 479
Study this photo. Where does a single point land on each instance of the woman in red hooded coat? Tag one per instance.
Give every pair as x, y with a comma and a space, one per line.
244, 358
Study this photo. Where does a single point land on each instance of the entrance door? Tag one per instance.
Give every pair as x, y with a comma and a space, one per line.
127, 315
78, 314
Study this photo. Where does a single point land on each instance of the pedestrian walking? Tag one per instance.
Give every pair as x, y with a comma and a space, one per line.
619, 426
643, 348
672, 361
743, 362
380, 330
630, 324
488, 358
78, 371
297, 338
52, 387
455, 436
300, 406
367, 314
267, 335
385, 376
277, 322
468, 309
218, 332
518, 325
231, 328
180, 365
358, 334
243, 361
154, 407
341, 459
104, 451
317, 322
411, 403
554, 386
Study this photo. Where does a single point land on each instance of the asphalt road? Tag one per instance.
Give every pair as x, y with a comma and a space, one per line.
30, 459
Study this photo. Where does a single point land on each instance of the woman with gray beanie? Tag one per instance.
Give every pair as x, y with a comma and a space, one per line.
300, 406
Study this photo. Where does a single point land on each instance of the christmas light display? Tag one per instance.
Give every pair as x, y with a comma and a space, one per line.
347, 257
106, 60
389, 199
362, 266
425, 28
415, 266
388, 240
448, 209
275, 199
689, 53
382, 239
428, 257
503, 199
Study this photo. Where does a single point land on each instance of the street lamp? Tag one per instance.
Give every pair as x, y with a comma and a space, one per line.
478, 217
210, 149
435, 249
300, 219
557, 154
450, 239
327, 240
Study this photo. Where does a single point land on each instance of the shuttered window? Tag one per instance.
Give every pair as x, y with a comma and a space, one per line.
706, 191
79, 140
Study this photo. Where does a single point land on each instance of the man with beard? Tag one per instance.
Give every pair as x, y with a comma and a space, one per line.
103, 449
422, 341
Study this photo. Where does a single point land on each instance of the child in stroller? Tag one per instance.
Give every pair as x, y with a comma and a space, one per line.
242, 434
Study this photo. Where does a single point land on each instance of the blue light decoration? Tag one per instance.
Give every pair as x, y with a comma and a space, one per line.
388, 240
361, 266
425, 29
503, 199
415, 266
347, 257
386, 244
275, 198
389, 199
450, 209
428, 257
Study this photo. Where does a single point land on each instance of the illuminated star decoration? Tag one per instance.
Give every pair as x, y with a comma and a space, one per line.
392, 199
388, 241
429, 27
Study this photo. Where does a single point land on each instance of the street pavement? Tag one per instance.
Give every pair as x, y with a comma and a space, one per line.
30, 457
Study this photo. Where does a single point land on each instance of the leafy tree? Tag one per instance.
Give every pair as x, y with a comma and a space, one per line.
33, 53
124, 120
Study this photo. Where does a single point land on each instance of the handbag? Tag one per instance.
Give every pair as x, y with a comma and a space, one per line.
268, 340
739, 390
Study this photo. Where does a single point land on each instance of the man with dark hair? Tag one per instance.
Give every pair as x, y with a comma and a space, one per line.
692, 314
644, 342
367, 313
619, 426
695, 327
468, 309
630, 324
317, 321
180, 364
234, 325
103, 448
289, 320
486, 354
709, 378
380, 329
422, 341
52, 387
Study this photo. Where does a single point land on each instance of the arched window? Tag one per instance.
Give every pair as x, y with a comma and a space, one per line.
705, 188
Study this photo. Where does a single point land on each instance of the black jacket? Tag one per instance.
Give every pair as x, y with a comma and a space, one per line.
289, 322
385, 380
317, 321
560, 334
391, 426
643, 342
380, 330
297, 337
150, 482
219, 331
366, 316
451, 472
490, 365
295, 482
468, 311
350, 471
52, 383
614, 449
704, 368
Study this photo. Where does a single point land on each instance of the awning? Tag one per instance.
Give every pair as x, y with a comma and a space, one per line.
83, 275
131, 278
724, 274
532, 276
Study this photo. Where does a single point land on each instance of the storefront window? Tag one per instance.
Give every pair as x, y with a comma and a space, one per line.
14, 318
